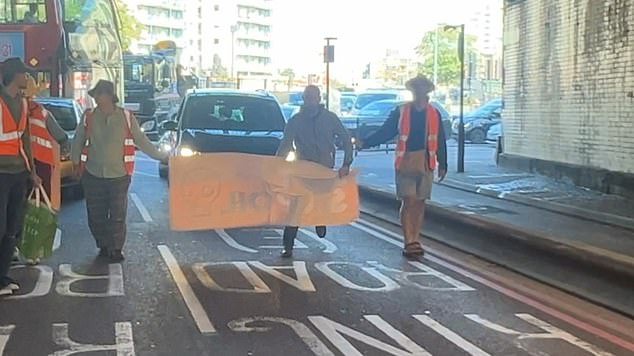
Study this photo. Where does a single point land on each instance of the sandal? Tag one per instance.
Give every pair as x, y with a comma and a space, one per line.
413, 249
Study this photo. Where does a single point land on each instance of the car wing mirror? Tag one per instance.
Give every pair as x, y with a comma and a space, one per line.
169, 125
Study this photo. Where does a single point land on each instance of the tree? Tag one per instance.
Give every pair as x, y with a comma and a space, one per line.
290, 76
448, 60
131, 28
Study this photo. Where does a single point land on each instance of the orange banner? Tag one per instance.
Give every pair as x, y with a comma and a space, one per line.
230, 190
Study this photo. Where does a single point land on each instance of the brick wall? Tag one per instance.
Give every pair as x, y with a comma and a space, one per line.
569, 82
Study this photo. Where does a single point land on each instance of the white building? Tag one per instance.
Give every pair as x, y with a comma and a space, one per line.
486, 24
161, 19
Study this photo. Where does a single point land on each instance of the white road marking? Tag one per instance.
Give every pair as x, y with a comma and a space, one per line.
139, 205
193, 304
114, 278
124, 343
42, 286
303, 281
329, 246
310, 339
229, 240
5, 335
57, 243
257, 284
551, 332
335, 331
388, 284
451, 336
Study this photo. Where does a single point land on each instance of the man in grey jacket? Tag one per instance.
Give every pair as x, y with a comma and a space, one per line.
313, 132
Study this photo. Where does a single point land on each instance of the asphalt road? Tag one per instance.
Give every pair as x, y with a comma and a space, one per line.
228, 293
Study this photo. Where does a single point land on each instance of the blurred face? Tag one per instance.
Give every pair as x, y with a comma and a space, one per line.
20, 80
312, 96
103, 99
420, 94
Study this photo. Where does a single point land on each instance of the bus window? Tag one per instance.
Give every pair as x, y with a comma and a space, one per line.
22, 12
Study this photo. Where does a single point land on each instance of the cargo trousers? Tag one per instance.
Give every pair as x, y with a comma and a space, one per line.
107, 206
13, 192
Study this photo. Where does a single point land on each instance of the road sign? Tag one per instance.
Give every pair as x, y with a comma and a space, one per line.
329, 54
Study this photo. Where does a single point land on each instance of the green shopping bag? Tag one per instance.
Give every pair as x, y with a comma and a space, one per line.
40, 225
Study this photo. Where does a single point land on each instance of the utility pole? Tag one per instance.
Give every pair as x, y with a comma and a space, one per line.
234, 28
436, 57
329, 57
461, 133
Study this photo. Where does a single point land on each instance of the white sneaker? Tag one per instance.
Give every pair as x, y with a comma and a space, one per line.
6, 291
11, 284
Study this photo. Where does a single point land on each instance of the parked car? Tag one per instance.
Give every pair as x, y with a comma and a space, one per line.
494, 132
224, 120
371, 96
68, 114
372, 116
289, 111
478, 122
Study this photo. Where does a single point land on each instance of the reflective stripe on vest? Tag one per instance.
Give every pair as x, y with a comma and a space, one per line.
129, 148
11, 132
41, 139
432, 123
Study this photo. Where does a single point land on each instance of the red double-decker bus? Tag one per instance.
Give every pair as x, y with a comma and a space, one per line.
71, 43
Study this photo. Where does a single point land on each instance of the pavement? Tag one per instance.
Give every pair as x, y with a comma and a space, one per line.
593, 227
228, 293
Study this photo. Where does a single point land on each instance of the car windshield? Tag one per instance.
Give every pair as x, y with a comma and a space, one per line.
138, 71
288, 111
365, 99
378, 108
217, 112
64, 114
488, 108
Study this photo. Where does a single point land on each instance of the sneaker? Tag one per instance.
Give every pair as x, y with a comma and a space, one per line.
4, 291
321, 231
11, 283
116, 256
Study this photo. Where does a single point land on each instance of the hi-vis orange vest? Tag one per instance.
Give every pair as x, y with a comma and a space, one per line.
432, 127
11, 133
128, 143
41, 139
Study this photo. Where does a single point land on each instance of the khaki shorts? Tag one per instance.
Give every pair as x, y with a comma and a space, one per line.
414, 185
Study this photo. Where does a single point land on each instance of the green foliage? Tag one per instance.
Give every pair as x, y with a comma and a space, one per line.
448, 60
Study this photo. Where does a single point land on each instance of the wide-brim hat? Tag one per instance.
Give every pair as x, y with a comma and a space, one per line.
14, 65
420, 82
104, 87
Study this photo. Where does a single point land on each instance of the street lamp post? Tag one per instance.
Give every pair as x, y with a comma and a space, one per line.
234, 28
461, 133
329, 57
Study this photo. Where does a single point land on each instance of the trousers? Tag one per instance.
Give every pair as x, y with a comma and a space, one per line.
13, 193
107, 207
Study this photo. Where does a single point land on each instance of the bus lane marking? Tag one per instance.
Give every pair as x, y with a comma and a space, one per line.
300, 329
145, 214
114, 278
453, 265
551, 332
5, 335
124, 343
196, 309
43, 284
451, 336
328, 246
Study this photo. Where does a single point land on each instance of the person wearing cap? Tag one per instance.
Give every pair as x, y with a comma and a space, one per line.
16, 164
103, 155
421, 146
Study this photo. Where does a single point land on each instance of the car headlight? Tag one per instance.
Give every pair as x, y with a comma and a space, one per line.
468, 125
186, 152
165, 147
148, 126
353, 140
291, 156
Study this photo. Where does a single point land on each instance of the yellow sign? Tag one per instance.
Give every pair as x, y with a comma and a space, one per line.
231, 190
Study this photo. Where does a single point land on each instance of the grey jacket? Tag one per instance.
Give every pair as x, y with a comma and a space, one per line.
313, 132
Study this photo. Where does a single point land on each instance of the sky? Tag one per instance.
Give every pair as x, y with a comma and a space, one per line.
364, 28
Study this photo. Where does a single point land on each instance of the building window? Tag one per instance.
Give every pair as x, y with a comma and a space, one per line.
216, 7
216, 41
